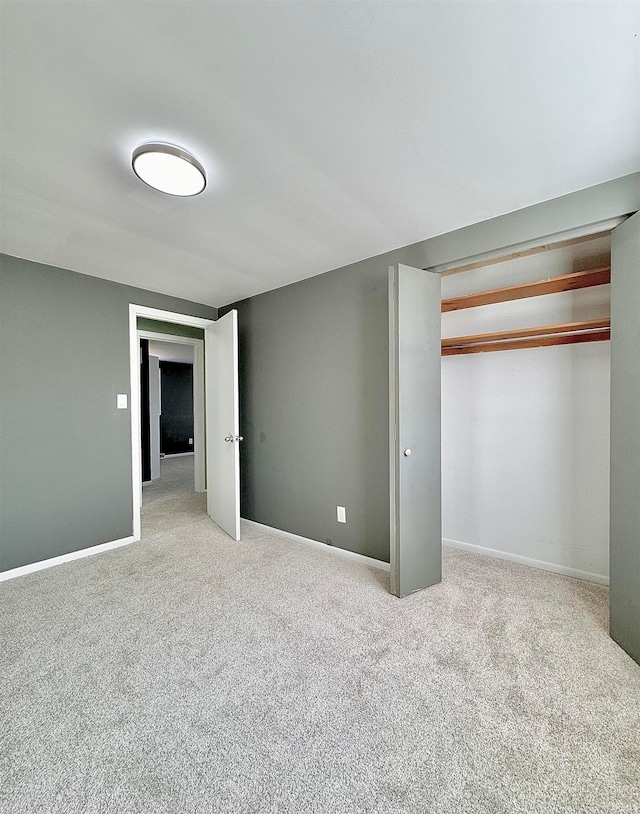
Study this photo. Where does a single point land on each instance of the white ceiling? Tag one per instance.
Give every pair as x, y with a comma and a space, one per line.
171, 351
331, 131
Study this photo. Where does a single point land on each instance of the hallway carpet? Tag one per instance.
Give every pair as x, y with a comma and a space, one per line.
192, 674
170, 500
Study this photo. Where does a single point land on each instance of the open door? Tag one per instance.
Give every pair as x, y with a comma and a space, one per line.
222, 423
624, 542
414, 429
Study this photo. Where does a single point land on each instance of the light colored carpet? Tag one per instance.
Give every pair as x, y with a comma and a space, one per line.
192, 674
170, 500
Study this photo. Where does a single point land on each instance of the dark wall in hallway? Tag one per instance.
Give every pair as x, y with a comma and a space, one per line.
176, 419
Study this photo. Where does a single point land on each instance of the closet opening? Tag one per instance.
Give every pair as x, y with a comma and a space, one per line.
525, 407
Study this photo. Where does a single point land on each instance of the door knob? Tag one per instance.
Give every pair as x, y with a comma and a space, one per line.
407, 452
228, 438
239, 438
232, 438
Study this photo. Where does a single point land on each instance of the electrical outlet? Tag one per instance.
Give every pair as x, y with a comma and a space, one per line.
342, 514
191, 440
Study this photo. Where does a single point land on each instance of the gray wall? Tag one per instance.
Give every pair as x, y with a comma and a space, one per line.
314, 376
314, 408
314, 391
65, 450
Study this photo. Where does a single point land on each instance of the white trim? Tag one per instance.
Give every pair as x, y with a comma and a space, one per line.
180, 340
136, 311
177, 455
199, 439
198, 399
170, 316
340, 552
73, 555
517, 558
173, 338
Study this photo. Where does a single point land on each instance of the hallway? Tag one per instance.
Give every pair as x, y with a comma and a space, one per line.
170, 501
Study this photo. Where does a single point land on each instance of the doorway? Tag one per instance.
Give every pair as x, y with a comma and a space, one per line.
170, 349
170, 443
217, 359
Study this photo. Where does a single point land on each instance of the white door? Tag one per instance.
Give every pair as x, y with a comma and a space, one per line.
223, 423
414, 431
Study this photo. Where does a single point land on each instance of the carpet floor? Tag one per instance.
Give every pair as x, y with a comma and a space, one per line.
189, 673
170, 501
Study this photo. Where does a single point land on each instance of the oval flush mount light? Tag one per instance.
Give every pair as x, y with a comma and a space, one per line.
169, 169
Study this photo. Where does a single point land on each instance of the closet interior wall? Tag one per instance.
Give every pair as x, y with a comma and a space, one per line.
525, 433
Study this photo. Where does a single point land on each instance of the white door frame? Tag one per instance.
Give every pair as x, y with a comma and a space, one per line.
198, 396
159, 315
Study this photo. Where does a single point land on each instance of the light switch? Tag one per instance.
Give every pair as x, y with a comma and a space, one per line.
342, 514
122, 401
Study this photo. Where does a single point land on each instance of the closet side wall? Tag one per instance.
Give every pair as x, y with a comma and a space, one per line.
526, 432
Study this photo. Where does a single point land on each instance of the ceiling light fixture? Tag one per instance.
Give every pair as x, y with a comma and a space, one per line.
169, 169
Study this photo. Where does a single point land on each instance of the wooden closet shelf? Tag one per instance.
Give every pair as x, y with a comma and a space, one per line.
553, 285
569, 333
520, 333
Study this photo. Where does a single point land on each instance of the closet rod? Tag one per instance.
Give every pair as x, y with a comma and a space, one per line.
530, 342
553, 285
520, 333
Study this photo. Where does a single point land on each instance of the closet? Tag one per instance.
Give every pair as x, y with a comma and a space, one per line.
525, 407
565, 333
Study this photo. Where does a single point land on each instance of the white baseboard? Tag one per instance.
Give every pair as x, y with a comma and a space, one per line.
73, 555
340, 552
177, 455
517, 558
